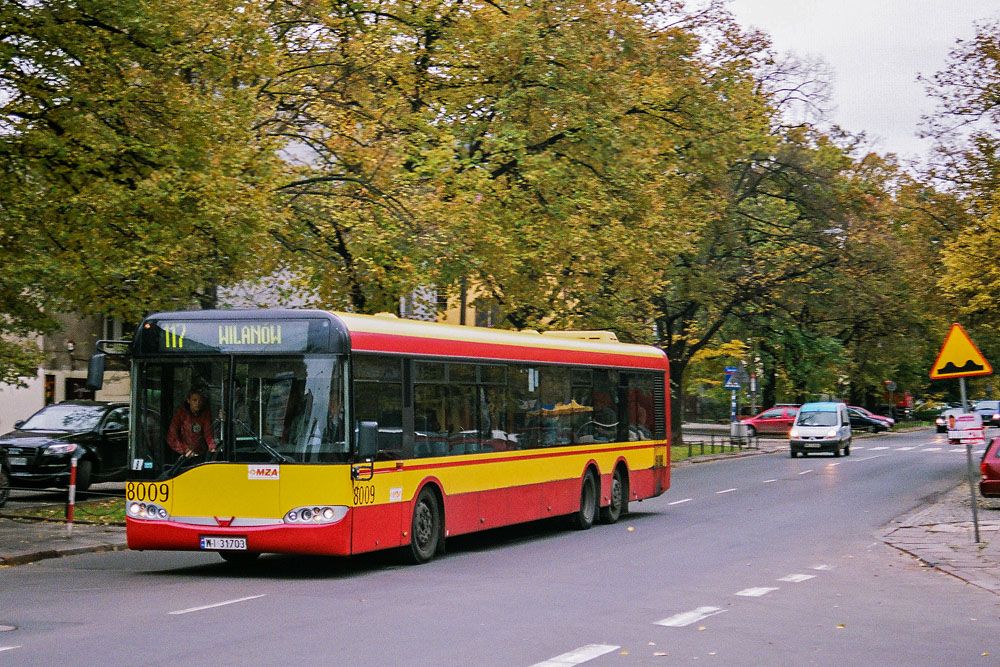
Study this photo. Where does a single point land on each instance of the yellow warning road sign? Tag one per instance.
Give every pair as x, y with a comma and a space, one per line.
959, 357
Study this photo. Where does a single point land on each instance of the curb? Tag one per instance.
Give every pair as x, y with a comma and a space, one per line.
24, 559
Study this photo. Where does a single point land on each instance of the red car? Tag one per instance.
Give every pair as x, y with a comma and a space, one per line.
989, 485
773, 421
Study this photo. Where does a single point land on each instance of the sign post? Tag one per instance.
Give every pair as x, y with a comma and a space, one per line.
960, 358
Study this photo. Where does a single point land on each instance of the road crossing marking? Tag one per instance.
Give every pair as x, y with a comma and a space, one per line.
8, 648
756, 592
689, 617
217, 604
578, 656
821, 567
874, 449
904, 449
678, 502
798, 578
931, 449
856, 447
726, 491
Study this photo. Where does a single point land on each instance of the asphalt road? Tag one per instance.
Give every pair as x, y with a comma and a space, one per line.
763, 560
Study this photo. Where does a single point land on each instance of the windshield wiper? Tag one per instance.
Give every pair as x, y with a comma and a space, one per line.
275, 454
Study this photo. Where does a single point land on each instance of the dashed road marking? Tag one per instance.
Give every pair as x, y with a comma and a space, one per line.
756, 592
678, 502
217, 604
805, 472
821, 568
768, 481
875, 449
689, 617
798, 578
726, 491
578, 656
904, 449
8, 648
931, 449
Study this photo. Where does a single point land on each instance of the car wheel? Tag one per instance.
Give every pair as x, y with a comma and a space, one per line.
794, 454
425, 528
751, 431
4, 485
847, 449
619, 499
583, 518
84, 468
836, 450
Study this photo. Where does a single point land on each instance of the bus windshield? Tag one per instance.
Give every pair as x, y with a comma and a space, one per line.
258, 409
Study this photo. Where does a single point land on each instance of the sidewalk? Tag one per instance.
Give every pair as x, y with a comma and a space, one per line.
942, 535
25, 541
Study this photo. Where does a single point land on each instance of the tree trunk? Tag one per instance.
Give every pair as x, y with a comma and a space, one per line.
676, 402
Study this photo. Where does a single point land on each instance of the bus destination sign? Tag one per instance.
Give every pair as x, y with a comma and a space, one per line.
232, 335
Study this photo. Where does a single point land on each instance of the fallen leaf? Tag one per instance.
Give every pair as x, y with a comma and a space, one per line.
624, 653
841, 626
701, 627
631, 529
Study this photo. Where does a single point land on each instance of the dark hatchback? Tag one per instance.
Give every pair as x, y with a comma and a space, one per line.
4, 478
41, 448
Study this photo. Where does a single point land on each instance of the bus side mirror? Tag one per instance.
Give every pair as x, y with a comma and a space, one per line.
367, 440
95, 371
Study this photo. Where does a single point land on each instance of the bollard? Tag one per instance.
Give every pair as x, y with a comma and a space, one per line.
72, 498
972, 488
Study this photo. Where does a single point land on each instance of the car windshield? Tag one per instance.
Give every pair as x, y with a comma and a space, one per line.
817, 419
63, 417
260, 410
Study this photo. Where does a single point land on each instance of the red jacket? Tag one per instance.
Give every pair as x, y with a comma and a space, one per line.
190, 431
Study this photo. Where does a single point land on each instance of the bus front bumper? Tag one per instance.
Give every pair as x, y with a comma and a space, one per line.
327, 540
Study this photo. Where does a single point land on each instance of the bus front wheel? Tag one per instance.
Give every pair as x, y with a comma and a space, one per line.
583, 518
425, 528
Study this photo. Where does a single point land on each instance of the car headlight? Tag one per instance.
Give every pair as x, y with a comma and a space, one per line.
832, 433
59, 449
314, 515
793, 433
149, 511
939, 421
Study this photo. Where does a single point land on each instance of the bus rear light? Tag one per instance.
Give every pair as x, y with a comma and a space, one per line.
147, 511
313, 515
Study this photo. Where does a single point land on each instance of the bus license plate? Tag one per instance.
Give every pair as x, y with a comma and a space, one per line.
224, 543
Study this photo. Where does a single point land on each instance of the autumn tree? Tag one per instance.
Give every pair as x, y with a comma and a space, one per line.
135, 173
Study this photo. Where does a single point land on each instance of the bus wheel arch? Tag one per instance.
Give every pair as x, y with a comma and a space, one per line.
618, 495
426, 525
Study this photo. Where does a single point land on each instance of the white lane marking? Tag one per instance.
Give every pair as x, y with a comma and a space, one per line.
805, 472
8, 648
726, 491
833, 465
756, 592
689, 617
678, 502
821, 567
768, 481
869, 458
858, 447
578, 656
217, 604
931, 449
798, 578
904, 449
875, 449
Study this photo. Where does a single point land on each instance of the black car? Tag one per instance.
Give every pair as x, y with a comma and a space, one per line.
862, 422
41, 448
4, 478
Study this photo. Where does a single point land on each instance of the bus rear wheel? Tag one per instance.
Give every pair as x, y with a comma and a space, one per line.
583, 518
425, 528
618, 504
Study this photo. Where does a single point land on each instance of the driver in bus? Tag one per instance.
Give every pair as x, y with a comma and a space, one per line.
190, 433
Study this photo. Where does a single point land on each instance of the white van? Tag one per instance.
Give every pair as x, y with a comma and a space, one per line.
821, 427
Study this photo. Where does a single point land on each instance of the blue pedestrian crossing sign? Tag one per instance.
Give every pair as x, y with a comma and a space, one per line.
732, 377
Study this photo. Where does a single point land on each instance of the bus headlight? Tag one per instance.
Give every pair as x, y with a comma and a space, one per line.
313, 515
148, 511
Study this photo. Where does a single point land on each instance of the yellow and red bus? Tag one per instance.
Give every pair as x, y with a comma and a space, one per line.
341, 434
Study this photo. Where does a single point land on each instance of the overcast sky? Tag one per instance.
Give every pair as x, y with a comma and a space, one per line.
876, 49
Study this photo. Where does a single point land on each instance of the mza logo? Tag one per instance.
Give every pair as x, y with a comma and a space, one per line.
263, 472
